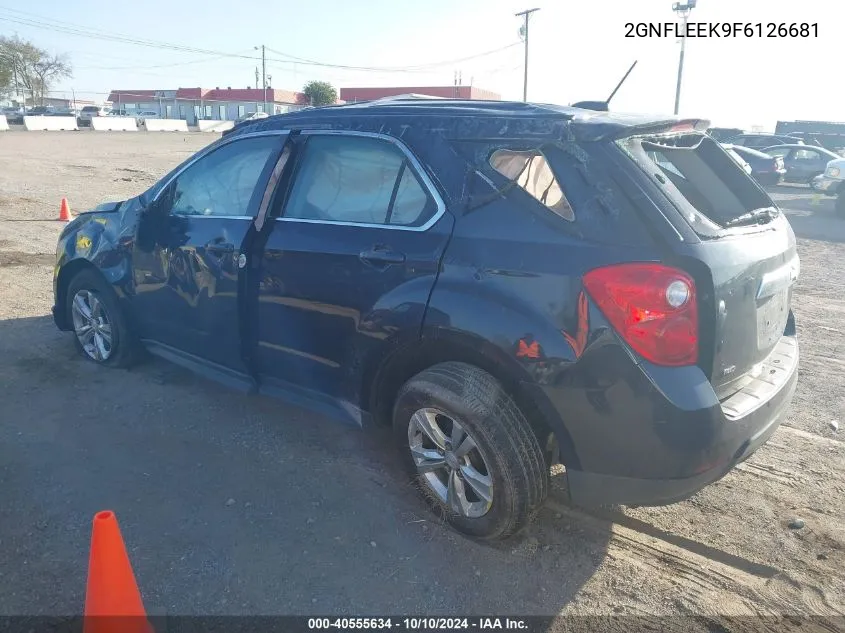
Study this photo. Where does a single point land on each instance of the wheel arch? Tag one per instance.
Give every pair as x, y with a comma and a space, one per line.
66, 273
402, 364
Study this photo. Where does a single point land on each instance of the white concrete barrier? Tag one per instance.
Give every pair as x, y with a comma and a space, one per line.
4, 124
165, 125
114, 123
50, 123
215, 126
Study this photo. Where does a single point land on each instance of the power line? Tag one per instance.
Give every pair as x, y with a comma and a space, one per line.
204, 60
389, 69
70, 28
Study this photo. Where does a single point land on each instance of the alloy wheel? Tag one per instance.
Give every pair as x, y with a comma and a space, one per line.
92, 325
450, 463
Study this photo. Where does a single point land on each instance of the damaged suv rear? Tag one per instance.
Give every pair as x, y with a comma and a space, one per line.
508, 285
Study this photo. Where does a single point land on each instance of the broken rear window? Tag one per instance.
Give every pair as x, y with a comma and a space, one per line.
532, 173
709, 188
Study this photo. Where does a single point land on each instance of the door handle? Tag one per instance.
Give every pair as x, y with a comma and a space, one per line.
381, 257
220, 245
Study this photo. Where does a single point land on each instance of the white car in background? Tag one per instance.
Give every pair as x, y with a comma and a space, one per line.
89, 112
252, 117
832, 183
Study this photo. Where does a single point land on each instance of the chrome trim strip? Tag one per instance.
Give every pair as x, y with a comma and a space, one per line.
208, 150
416, 166
774, 281
213, 217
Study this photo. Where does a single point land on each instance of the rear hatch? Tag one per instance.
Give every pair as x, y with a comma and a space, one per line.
744, 259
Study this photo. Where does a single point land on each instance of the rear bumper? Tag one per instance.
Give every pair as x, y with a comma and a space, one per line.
647, 435
591, 489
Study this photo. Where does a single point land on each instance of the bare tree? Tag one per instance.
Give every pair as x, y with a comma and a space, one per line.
29, 68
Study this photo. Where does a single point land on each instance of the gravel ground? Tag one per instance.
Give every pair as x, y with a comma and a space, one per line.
233, 504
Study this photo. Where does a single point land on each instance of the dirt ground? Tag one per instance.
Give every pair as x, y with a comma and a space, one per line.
234, 504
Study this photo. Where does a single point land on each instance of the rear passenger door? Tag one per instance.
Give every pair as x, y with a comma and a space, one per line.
349, 262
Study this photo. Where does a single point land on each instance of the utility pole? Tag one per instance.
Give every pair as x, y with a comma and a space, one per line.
263, 75
524, 30
683, 10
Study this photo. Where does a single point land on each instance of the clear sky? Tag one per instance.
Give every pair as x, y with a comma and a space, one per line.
578, 50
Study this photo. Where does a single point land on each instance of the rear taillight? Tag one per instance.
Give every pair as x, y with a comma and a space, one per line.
652, 306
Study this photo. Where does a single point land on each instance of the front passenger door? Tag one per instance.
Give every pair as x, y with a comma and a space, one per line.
186, 256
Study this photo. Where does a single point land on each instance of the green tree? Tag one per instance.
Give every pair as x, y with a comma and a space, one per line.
320, 93
31, 69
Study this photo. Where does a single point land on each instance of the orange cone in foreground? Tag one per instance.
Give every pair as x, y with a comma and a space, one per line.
112, 599
64, 212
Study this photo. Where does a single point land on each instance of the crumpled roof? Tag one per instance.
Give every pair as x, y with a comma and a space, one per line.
470, 119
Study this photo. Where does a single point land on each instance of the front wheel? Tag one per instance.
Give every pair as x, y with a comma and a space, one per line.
101, 329
470, 450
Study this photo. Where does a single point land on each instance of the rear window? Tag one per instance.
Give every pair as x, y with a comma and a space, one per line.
530, 170
699, 177
90, 109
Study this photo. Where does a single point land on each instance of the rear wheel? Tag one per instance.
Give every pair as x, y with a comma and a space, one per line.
101, 329
470, 450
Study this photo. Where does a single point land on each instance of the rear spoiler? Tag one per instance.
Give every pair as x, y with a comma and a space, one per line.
664, 127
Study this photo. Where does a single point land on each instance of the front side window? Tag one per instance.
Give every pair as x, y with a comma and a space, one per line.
223, 182
358, 180
806, 154
530, 170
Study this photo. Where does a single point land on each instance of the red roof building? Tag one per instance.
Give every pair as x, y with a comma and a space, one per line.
192, 104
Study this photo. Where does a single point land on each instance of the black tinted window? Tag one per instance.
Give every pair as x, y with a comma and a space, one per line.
223, 182
359, 180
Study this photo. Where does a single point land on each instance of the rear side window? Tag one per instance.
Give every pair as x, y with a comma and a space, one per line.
358, 180
530, 170
698, 176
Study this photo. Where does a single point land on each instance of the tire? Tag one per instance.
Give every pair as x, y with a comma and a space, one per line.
456, 398
123, 349
839, 205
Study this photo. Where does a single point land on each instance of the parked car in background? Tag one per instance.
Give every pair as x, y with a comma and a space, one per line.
739, 159
253, 116
832, 183
63, 112
759, 141
40, 111
13, 115
765, 169
88, 112
506, 299
802, 162
143, 115
721, 134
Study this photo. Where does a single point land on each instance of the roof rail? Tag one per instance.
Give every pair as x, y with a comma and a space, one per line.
411, 96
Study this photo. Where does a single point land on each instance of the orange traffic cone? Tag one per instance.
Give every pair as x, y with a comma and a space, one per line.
112, 599
64, 212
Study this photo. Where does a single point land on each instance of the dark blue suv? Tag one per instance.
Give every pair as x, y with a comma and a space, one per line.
509, 285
